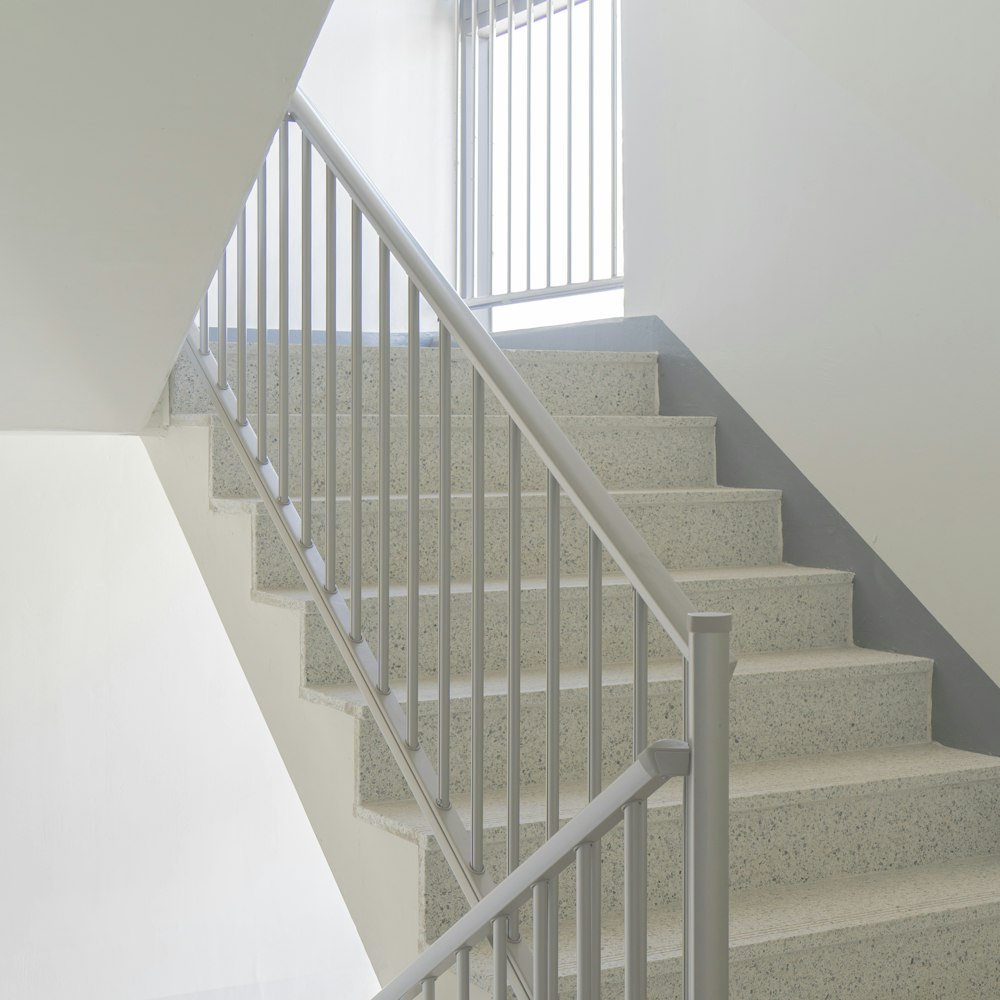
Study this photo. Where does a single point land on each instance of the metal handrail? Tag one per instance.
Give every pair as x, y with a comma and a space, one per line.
661, 761
669, 605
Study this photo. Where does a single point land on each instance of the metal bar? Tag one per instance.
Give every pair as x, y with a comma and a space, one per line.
283, 428
427, 989
584, 921
569, 143
552, 585
590, 200
614, 138
356, 417
444, 572
384, 432
527, 152
480, 207
478, 608
241, 319
500, 958
489, 141
548, 150
223, 380
595, 583
203, 327
514, 660
635, 901
462, 973
540, 940
307, 409
262, 314
330, 575
413, 517
706, 808
510, 142
640, 670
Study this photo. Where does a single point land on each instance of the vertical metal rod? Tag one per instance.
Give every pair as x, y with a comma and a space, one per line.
478, 607
569, 142
413, 517
584, 920
384, 433
514, 660
489, 141
640, 681
706, 808
427, 989
462, 973
480, 209
614, 138
590, 200
594, 664
548, 149
283, 428
241, 319
552, 711
510, 142
635, 901
307, 410
500, 931
356, 420
527, 152
331, 382
444, 572
222, 380
203, 326
540, 940
460, 155
262, 314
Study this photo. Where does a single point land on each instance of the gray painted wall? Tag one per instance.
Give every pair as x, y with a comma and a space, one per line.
887, 615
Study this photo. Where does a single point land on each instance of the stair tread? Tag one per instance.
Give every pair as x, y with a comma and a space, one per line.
778, 781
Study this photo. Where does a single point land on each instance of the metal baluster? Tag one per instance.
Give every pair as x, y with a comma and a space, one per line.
444, 573
552, 711
283, 428
500, 932
510, 141
585, 985
478, 602
203, 326
413, 519
590, 200
462, 973
514, 661
548, 150
331, 382
221, 380
241, 319
614, 138
594, 723
489, 141
527, 153
478, 214
356, 382
569, 142
262, 314
307, 413
427, 989
384, 432
540, 940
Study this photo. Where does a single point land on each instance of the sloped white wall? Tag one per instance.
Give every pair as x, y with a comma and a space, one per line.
152, 845
811, 204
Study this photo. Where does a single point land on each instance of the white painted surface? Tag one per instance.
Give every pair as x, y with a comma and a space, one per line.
139, 131
152, 843
811, 205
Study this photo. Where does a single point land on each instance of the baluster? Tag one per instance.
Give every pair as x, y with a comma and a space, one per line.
478, 602
527, 153
594, 723
262, 314
585, 984
514, 661
491, 64
413, 519
203, 327
510, 141
590, 132
614, 138
500, 932
384, 432
283, 428
444, 573
356, 382
540, 940
548, 149
221, 380
241, 319
331, 382
462, 973
307, 414
427, 989
569, 142
552, 711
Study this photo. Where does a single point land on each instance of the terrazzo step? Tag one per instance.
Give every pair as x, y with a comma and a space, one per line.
773, 608
636, 453
583, 382
792, 821
925, 933
687, 529
782, 705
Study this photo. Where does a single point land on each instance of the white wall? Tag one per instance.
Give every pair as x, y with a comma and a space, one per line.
811, 205
152, 844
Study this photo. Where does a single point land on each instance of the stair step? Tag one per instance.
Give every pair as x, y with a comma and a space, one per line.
591, 382
791, 821
773, 607
636, 453
686, 528
785, 704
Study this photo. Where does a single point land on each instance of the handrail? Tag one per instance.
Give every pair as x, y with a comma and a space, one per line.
669, 605
661, 761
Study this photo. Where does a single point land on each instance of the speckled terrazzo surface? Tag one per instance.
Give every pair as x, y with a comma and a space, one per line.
865, 860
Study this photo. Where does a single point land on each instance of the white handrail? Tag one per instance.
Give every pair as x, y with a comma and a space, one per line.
669, 605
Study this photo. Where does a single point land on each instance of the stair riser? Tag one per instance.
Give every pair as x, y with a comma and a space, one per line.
783, 714
648, 456
788, 616
565, 382
769, 845
690, 535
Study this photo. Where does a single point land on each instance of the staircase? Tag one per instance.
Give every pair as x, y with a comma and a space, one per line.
865, 860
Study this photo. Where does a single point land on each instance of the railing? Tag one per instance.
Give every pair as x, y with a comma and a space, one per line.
322, 483
539, 141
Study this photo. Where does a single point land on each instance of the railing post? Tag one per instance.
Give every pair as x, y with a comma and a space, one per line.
706, 809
